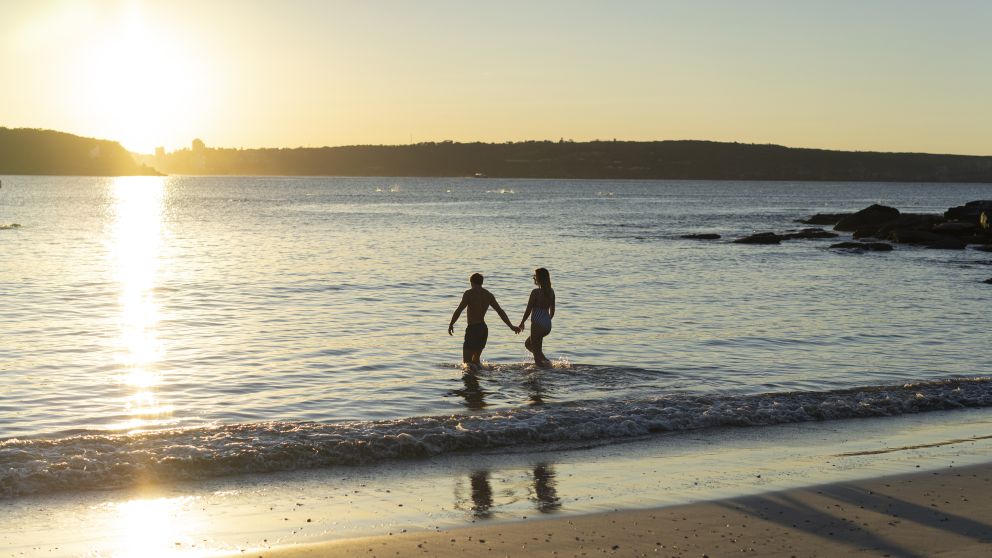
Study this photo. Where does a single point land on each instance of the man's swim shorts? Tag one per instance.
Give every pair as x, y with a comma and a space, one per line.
476, 336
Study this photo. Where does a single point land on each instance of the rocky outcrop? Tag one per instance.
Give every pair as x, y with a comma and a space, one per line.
809, 234
776, 238
954, 230
970, 212
949, 243
957, 228
904, 221
760, 238
873, 216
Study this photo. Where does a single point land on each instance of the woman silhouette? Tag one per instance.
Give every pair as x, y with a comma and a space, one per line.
540, 308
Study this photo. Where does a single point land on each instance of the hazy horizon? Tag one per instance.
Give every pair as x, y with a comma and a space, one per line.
887, 76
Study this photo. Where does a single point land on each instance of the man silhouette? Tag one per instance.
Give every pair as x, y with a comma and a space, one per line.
478, 301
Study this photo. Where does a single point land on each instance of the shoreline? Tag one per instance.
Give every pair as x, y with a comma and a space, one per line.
919, 514
498, 493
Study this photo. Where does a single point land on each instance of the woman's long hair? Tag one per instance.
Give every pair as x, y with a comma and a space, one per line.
543, 279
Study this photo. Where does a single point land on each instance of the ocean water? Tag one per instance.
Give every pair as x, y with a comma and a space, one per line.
193, 327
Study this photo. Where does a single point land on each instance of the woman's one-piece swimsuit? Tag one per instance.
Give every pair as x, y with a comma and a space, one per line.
541, 318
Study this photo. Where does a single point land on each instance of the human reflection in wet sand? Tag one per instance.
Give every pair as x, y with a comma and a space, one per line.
545, 493
473, 394
545, 490
482, 494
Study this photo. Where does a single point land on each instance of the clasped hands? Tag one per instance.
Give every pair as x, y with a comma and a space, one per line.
516, 329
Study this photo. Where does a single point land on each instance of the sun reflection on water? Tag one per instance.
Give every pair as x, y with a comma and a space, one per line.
137, 239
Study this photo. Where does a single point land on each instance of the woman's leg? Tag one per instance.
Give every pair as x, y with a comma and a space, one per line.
536, 339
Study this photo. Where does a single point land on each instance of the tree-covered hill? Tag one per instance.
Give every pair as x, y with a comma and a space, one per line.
31, 151
596, 159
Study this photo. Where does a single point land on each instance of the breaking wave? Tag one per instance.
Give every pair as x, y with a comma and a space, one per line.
98, 460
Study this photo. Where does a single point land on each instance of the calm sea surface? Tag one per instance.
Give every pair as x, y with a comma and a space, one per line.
296, 319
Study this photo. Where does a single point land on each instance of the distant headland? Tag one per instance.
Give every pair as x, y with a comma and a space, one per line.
30, 151
685, 159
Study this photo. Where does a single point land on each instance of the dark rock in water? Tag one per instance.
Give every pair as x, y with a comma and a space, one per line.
970, 211
702, 236
927, 238
913, 236
865, 233
985, 248
989, 281
872, 216
956, 228
760, 238
949, 243
823, 219
916, 221
864, 246
810, 234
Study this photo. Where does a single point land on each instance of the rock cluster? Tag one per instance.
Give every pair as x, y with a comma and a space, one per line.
954, 230
775, 238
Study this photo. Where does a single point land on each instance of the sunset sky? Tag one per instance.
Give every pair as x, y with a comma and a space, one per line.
897, 75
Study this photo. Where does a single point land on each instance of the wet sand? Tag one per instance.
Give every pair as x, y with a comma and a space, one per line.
935, 513
729, 485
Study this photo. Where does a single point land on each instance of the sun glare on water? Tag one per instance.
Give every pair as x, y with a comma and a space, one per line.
137, 239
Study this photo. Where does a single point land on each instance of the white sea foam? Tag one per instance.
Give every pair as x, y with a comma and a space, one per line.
98, 460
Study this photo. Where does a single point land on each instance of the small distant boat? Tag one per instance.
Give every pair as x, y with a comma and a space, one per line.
479, 175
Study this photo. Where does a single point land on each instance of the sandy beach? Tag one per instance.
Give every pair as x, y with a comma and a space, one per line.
935, 513
906, 486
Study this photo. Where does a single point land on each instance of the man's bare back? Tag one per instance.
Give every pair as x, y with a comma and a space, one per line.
477, 301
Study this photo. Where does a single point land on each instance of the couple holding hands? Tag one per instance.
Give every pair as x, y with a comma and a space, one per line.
540, 309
